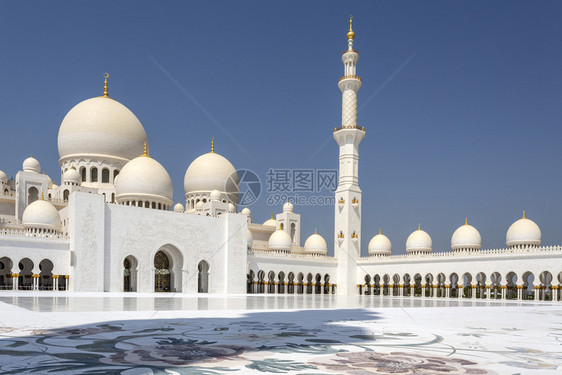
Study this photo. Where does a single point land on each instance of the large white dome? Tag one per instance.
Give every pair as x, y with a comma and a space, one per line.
523, 232
209, 172
419, 242
144, 178
42, 215
101, 127
380, 245
280, 240
466, 237
315, 244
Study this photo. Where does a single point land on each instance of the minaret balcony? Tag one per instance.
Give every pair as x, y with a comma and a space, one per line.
348, 77
362, 128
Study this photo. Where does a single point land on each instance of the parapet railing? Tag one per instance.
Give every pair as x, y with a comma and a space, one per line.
283, 254
465, 253
26, 233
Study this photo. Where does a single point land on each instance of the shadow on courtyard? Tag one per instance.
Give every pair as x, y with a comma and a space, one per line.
208, 345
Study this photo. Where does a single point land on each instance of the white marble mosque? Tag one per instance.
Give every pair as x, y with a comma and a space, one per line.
111, 226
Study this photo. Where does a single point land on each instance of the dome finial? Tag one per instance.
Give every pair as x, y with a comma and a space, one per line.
466, 220
105, 94
212, 144
144, 152
42, 196
380, 232
350, 33
315, 232
419, 226
523, 214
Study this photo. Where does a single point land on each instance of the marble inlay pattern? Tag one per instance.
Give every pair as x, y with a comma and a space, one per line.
481, 340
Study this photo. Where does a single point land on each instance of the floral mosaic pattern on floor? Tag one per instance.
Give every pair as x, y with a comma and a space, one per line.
353, 342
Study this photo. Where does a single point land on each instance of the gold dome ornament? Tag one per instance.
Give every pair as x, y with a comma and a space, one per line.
350, 33
105, 94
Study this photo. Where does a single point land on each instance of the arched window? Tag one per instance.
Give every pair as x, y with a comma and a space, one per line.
94, 174
32, 195
65, 195
293, 231
112, 197
115, 173
105, 176
83, 173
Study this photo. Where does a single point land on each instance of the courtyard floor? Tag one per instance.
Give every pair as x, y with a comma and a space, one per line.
120, 333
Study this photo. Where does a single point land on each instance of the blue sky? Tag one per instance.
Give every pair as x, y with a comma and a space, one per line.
461, 100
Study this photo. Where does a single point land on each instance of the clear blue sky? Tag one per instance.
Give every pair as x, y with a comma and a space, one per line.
470, 126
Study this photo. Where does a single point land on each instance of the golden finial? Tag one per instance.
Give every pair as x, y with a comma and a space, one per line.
380, 231
213, 145
466, 220
350, 33
105, 94
42, 196
272, 215
419, 226
523, 214
315, 232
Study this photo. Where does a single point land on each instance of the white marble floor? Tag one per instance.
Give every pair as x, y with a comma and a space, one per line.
125, 333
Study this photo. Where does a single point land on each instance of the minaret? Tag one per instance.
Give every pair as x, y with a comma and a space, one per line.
347, 236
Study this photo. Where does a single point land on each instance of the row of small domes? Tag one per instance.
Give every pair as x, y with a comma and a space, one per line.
524, 232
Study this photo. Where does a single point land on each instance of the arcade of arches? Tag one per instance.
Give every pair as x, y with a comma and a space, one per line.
478, 286
28, 278
291, 283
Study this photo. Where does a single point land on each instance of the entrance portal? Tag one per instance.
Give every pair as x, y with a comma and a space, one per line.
161, 272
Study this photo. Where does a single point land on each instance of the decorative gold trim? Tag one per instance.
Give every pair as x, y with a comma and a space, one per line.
105, 93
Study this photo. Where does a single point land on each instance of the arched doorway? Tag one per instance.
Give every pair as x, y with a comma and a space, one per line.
203, 277
46, 275
130, 274
5, 273
162, 275
26, 274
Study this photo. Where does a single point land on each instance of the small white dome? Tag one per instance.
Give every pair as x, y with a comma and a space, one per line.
246, 211
249, 238
42, 215
280, 240
271, 222
380, 245
55, 186
523, 232
209, 172
49, 181
199, 205
466, 237
419, 241
178, 207
315, 244
144, 178
31, 165
3, 177
215, 195
231, 208
288, 207
71, 176
99, 127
